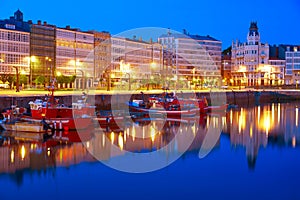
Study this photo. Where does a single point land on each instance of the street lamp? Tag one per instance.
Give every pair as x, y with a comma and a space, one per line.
47, 59
58, 74
75, 64
31, 59
152, 67
125, 68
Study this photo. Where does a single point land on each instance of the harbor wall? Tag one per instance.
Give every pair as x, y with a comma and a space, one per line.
104, 101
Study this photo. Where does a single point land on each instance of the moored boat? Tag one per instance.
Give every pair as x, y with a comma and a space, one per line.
77, 116
173, 107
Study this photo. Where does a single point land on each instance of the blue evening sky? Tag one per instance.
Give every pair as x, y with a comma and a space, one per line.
278, 20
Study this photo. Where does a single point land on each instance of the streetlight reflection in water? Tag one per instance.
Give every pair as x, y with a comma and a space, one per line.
251, 128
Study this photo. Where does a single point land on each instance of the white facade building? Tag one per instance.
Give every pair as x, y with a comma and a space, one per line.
14, 51
292, 56
250, 60
14, 46
75, 55
194, 58
278, 69
134, 59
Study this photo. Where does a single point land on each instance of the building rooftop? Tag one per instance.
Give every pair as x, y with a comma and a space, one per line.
187, 35
15, 23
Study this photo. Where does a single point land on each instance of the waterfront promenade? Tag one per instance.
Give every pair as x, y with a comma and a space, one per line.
103, 98
32, 93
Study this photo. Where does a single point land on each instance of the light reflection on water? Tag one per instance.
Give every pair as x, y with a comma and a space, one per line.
253, 130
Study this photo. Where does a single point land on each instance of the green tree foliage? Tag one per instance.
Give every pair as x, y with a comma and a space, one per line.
227, 51
65, 79
23, 79
72, 79
40, 80
7, 77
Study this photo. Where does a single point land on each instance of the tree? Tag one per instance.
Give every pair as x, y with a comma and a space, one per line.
23, 79
61, 79
227, 51
7, 78
72, 79
40, 80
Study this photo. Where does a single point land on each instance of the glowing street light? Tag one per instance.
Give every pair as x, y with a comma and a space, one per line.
125, 68
58, 73
47, 59
31, 59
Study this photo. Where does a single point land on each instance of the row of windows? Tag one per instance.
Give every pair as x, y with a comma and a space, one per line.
14, 47
65, 34
13, 59
35, 37
292, 54
216, 49
42, 31
212, 44
277, 62
297, 67
6, 69
43, 44
65, 62
72, 44
14, 36
72, 53
139, 52
192, 46
74, 35
295, 60
130, 44
193, 52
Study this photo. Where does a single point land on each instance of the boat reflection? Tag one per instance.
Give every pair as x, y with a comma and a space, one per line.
250, 128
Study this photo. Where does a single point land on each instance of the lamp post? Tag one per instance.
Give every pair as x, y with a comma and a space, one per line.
31, 60
125, 68
49, 60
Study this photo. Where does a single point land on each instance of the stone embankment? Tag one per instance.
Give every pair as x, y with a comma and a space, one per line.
104, 101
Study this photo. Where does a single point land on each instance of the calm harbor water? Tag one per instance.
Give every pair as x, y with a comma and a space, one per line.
257, 155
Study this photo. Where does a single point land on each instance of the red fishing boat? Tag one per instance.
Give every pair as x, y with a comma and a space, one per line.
172, 107
58, 116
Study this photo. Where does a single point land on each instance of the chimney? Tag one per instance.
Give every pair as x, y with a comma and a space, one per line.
39, 22
140, 39
68, 27
29, 21
45, 23
134, 37
151, 41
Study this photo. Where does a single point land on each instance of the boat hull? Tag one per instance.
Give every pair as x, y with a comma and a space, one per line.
24, 127
64, 123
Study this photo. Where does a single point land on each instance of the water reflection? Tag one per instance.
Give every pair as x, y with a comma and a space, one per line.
250, 128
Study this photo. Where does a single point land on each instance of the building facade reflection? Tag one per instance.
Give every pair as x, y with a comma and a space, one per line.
256, 127
250, 128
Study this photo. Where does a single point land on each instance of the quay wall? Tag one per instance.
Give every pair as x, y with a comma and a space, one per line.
104, 101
